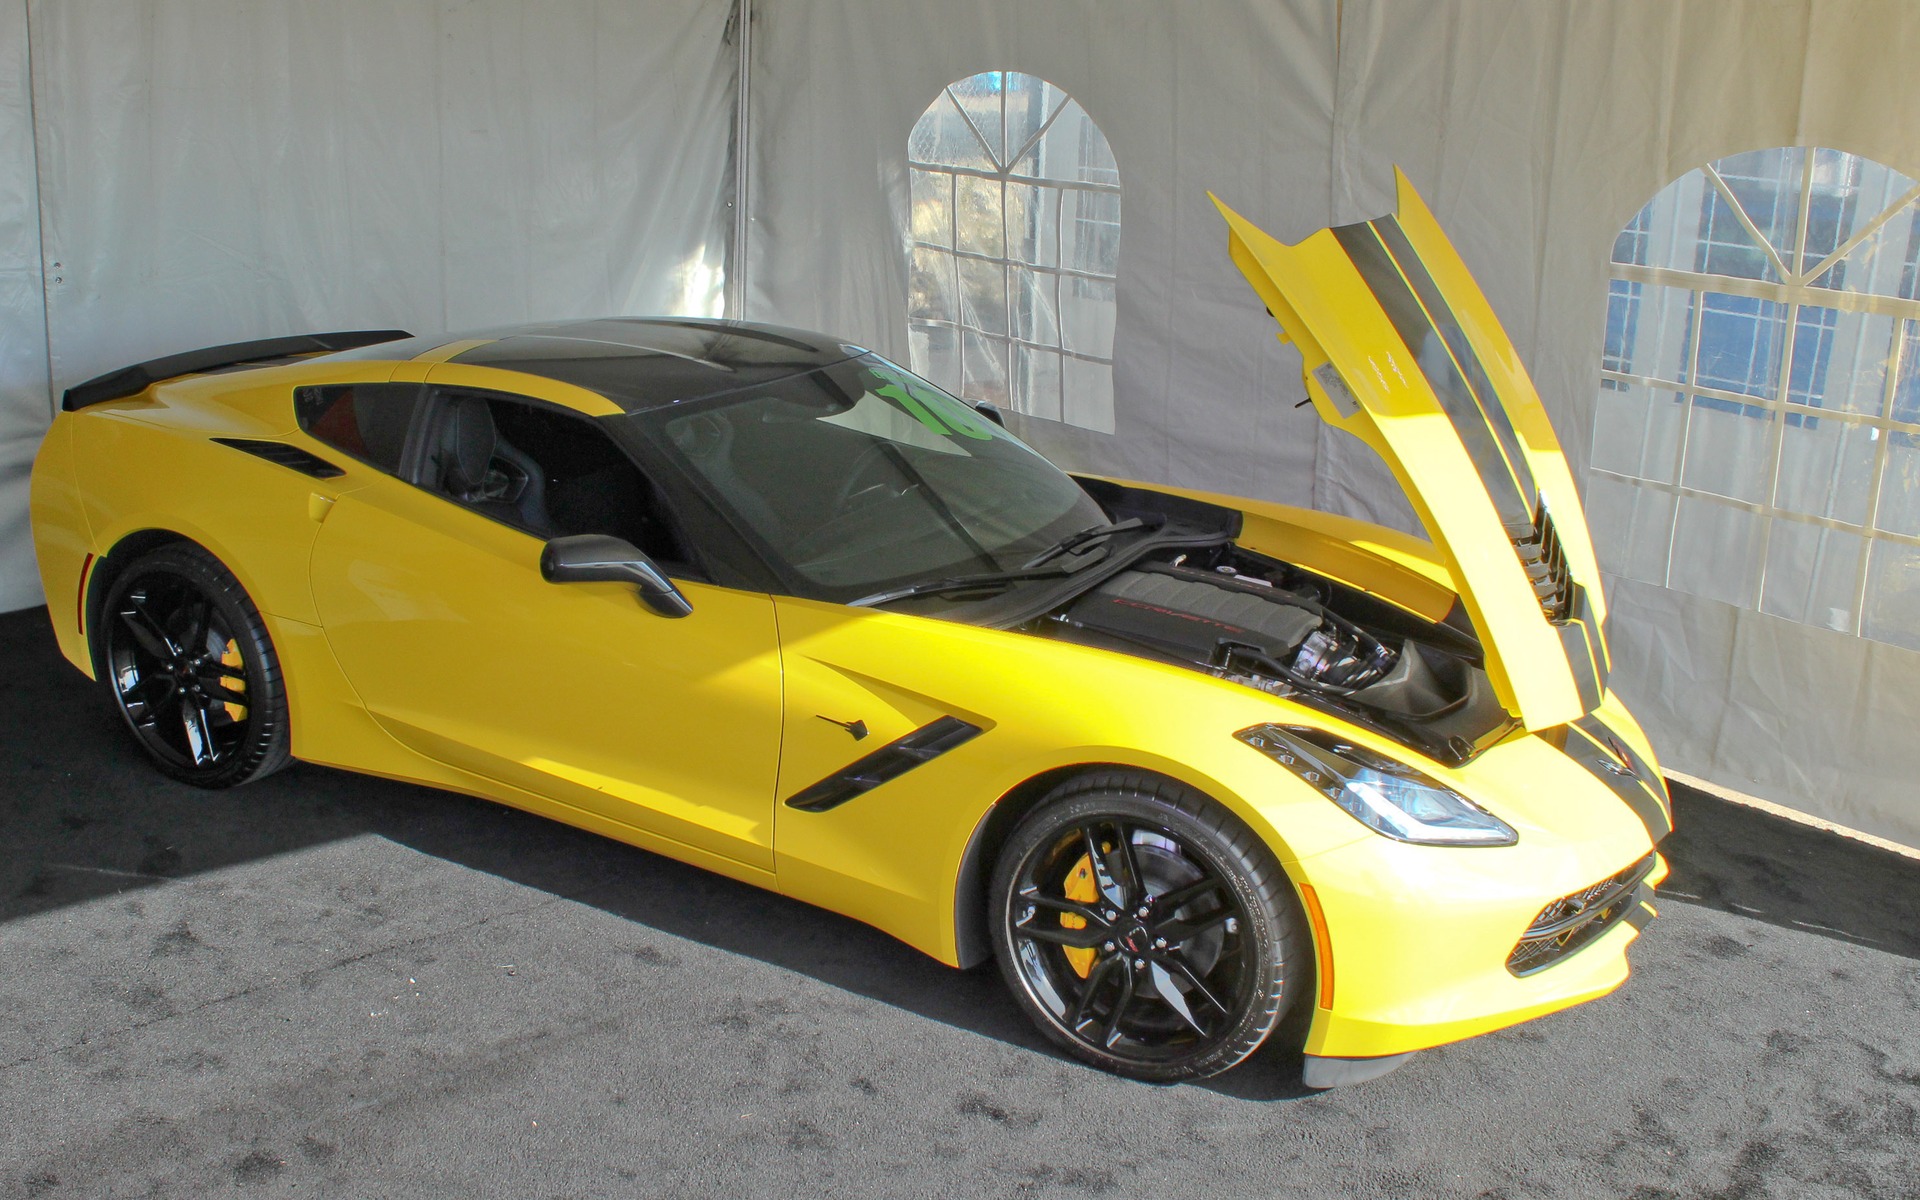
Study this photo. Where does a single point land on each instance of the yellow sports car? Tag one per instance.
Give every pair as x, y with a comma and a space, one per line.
770, 604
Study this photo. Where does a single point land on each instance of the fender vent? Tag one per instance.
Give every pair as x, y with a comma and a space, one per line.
291, 457
889, 762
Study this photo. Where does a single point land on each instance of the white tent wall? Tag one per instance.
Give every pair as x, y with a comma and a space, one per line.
1535, 130
23, 331
216, 172
1216, 94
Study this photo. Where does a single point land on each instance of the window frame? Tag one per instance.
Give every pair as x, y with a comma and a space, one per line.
1059, 275
1786, 403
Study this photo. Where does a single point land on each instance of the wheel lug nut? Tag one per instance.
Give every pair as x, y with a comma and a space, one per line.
1142, 912
1112, 915
1139, 963
1159, 943
1108, 947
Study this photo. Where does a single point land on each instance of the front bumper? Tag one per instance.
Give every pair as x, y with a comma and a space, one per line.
1421, 941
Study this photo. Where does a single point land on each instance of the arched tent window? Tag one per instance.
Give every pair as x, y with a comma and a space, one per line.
1016, 245
1757, 437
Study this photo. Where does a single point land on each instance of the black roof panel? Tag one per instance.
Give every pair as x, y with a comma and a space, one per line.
641, 363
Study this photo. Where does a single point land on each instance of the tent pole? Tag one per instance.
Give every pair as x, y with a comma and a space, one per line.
736, 298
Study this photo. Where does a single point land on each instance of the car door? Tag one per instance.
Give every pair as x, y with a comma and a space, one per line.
431, 596
1402, 350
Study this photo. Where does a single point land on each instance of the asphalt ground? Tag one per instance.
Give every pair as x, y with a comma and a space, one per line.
328, 985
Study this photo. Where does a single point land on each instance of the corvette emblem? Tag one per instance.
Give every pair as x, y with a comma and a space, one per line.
1619, 751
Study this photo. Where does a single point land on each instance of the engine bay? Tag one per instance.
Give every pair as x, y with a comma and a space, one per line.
1288, 632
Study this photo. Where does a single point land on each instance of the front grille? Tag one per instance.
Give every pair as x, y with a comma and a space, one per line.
1572, 922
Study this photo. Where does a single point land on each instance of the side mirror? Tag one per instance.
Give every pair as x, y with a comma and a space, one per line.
990, 411
601, 558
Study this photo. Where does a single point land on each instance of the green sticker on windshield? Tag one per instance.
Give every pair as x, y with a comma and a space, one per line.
922, 404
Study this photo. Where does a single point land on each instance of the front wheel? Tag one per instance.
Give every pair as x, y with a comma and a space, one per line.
191, 668
1145, 929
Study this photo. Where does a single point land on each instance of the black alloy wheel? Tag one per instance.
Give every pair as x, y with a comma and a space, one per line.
190, 666
1145, 929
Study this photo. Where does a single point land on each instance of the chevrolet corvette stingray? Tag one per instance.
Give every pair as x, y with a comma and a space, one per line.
1190, 768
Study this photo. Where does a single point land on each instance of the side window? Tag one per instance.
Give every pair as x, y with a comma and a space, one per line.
367, 420
543, 471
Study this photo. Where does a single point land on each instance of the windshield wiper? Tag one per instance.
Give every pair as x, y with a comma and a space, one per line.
955, 583
1086, 537
1029, 570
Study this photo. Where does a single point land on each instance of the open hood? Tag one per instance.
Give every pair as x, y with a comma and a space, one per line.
1403, 351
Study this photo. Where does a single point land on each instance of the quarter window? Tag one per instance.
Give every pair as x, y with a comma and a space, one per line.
367, 420
1757, 436
1015, 249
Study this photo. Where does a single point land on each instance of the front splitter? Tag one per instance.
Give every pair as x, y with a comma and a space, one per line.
1321, 1071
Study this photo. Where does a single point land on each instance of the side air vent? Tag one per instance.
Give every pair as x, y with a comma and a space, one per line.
889, 762
1545, 562
291, 457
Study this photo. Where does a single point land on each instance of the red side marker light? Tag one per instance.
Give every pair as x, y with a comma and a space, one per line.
80, 600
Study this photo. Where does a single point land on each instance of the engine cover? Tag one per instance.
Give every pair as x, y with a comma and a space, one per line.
1188, 619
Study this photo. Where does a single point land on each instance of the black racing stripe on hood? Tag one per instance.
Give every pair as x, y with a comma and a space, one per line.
1595, 747
1439, 346
1586, 652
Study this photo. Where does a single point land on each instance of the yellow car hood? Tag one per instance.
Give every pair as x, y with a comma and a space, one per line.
1403, 351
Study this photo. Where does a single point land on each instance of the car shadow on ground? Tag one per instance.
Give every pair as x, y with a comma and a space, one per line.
86, 817
1769, 868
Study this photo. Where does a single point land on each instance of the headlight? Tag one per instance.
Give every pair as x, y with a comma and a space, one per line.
1387, 796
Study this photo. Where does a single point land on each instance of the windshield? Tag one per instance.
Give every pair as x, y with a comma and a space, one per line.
861, 475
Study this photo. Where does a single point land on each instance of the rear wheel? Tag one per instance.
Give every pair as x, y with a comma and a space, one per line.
1144, 928
191, 668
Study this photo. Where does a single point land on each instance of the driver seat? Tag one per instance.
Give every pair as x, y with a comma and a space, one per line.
460, 464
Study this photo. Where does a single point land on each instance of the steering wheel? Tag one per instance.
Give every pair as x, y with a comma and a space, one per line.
856, 513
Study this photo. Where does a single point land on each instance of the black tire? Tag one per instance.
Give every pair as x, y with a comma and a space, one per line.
188, 662
1188, 989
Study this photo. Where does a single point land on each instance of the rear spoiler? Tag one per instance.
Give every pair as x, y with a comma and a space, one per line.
131, 381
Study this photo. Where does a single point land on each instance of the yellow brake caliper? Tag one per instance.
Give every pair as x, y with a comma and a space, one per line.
237, 682
1079, 887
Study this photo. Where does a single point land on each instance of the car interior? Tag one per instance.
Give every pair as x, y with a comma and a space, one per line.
544, 472
540, 470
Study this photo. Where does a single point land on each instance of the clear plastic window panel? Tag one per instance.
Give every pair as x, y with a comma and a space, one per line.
1639, 521
1811, 574
1756, 438
1638, 433
1892, 608
1015, 249
1840, 360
